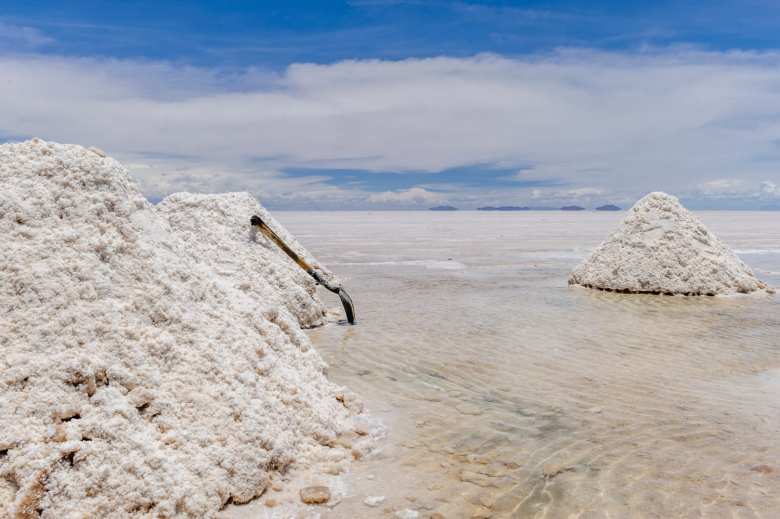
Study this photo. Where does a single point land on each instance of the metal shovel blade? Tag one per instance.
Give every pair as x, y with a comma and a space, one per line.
349, 307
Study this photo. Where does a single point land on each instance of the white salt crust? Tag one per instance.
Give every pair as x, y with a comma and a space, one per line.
662, 248
148, 368
215, 231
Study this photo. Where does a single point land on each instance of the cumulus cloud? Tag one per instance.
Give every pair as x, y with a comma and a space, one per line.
164, 175
726, 187
583, 192
582, 195
739, 188
407, 197
614, 124
769, 188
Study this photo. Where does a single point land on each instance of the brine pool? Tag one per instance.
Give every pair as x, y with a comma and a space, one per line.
507, 393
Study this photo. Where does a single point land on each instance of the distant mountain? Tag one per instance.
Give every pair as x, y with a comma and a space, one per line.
572, 208
503, 208
608, 207
443, 208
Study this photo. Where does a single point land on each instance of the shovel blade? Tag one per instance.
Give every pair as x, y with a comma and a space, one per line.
349, 307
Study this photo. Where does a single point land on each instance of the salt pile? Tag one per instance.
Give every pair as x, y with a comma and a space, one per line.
662, 248
143, 372
215, 230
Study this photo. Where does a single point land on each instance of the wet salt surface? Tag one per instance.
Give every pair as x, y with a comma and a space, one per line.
510, 394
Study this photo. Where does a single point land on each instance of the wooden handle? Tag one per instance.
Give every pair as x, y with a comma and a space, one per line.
271, 235
346, 301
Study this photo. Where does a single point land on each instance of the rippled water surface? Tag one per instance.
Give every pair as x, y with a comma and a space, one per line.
508, 393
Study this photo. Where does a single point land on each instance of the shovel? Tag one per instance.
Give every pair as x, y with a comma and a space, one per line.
349, 308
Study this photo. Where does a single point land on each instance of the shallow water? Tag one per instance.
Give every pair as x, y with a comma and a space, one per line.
510, 394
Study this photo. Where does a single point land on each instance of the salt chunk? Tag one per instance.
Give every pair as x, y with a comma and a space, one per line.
315, 495
374, 501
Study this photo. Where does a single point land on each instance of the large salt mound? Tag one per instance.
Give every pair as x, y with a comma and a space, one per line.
134, 381
216, 230
662, 248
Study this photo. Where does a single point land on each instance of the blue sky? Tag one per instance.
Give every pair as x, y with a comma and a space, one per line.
275, 34
406, 104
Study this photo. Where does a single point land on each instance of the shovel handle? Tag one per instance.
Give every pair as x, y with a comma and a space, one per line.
271, 235
346, 301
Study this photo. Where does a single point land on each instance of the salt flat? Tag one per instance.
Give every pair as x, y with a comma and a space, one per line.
508, 392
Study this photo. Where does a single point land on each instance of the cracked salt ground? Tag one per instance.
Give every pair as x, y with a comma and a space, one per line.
507, 393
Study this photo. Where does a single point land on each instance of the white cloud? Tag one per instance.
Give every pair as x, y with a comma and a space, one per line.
739, 189
584, 192
407, 197
164, 176
769, 188
20, 37
618, 125
553, 197
726, 187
